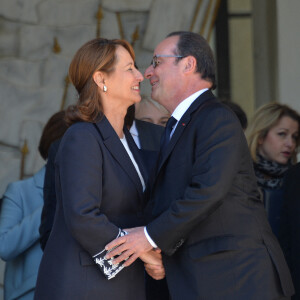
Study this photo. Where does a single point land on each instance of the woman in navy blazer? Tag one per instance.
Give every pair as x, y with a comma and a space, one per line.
99, 179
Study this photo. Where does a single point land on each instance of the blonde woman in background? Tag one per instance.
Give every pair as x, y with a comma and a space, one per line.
273, 139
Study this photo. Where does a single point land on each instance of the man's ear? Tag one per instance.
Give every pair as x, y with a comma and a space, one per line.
190, 65
98, 78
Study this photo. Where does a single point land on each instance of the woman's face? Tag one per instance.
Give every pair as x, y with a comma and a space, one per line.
280, 142
123, 84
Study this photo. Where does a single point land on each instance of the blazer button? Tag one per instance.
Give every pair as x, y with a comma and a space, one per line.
179, 243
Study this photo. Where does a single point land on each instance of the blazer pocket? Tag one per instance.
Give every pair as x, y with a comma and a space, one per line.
212, 246
86, 259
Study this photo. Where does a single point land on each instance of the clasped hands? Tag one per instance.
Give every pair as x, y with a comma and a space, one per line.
135, 245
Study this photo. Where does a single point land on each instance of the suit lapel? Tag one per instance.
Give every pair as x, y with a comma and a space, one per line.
182, 124
117, 150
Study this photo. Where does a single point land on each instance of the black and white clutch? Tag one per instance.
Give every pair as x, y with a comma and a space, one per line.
106, 266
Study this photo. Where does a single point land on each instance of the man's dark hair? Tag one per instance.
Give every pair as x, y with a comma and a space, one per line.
194, 44
239, 113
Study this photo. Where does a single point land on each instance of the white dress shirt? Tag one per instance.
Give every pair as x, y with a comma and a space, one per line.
179, 111
135, 134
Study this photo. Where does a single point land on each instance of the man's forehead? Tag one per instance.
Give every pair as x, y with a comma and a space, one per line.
168, 45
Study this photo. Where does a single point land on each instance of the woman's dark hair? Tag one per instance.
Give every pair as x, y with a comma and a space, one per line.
194, 44
96, 55
53, 130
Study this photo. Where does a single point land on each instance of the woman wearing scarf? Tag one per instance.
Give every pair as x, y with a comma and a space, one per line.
273, 138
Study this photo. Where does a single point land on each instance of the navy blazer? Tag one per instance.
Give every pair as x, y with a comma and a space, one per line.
149, 137
207, 216
98, 191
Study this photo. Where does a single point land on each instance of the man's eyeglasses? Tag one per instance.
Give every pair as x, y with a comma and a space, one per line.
155, 62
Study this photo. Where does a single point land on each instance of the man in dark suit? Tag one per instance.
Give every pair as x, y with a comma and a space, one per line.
207, 217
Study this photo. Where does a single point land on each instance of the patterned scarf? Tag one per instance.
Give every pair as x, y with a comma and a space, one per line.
269, 174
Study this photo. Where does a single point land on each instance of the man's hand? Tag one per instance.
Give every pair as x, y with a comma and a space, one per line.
130, 246
153, 264
155, 271
152, 257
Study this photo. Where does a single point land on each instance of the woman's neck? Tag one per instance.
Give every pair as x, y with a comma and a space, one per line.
116, 119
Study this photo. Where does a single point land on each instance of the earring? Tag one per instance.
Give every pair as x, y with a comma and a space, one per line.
104, 88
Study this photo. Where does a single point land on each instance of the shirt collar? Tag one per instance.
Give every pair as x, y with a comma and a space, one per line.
133, 129
183, 106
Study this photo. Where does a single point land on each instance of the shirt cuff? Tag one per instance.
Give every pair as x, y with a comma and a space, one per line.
149, 238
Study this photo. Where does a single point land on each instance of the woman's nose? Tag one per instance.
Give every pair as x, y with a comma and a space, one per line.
140, 76
290, 142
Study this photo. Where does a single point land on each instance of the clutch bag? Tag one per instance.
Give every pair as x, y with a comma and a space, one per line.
106, 266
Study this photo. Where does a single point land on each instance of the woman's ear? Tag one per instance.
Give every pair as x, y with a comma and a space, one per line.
99, 79
260, 141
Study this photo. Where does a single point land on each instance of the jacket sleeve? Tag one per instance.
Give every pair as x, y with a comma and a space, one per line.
81, 171
217, 155
17, 232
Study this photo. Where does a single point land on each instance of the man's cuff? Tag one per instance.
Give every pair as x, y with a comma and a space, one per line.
149, 238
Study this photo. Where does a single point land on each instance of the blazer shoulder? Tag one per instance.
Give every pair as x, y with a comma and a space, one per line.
81, 126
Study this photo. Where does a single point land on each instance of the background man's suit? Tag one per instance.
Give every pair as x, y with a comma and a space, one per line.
289, 234
207, 216
149, 135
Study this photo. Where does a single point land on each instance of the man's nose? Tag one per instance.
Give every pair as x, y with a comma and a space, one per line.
149, 71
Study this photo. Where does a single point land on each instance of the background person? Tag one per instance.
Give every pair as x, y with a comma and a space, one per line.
239, 112
273, 138
151, 111
20, 220
289, 233
99, 179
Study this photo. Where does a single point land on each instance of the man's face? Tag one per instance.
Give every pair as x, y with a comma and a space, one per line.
165, 77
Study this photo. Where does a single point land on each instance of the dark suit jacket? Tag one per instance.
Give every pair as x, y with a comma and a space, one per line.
98, 191
208, 218
289, 233
149, 136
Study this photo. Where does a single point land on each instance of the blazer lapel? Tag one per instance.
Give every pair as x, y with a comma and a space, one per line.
117, 150
182, 124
